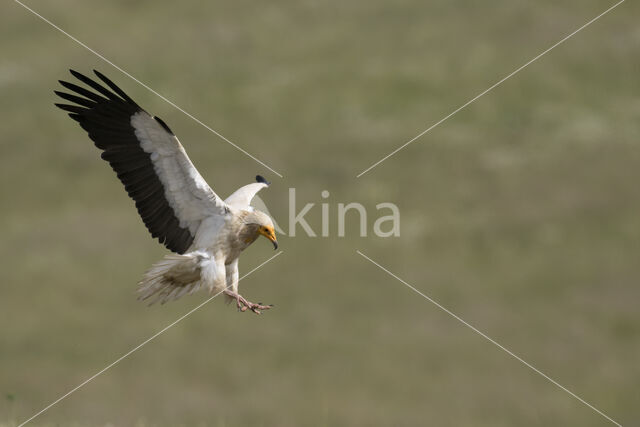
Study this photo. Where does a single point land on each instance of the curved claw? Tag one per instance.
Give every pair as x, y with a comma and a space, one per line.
244, 305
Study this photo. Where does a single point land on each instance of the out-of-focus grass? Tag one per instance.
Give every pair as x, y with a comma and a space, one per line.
520, 214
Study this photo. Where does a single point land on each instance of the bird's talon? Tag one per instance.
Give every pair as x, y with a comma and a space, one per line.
244, 305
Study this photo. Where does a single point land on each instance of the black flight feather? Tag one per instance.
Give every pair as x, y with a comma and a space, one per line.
260, 178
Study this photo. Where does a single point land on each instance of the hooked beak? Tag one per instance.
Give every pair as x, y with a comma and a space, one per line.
271, 235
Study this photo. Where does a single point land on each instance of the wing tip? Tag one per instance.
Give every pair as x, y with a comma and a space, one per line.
260, 178
75, 73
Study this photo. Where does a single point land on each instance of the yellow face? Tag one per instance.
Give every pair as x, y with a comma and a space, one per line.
270, 234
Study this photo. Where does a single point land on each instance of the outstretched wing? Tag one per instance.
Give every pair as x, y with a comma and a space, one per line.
241, 198
170, 195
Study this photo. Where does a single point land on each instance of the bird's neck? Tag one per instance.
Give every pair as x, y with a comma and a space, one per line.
248, 233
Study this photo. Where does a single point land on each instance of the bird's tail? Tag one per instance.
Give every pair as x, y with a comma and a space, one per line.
171, 277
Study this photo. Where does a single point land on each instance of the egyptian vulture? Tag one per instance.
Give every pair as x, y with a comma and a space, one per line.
206, 234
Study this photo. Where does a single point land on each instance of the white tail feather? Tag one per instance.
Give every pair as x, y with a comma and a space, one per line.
172, 277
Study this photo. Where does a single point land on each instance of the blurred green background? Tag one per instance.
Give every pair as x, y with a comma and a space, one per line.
520, 214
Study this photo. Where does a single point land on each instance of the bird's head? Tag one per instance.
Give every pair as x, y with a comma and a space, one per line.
261, 222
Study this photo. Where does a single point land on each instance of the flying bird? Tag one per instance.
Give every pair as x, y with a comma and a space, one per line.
205, 233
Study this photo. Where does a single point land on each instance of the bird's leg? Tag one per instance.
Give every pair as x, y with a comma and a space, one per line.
243, 304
